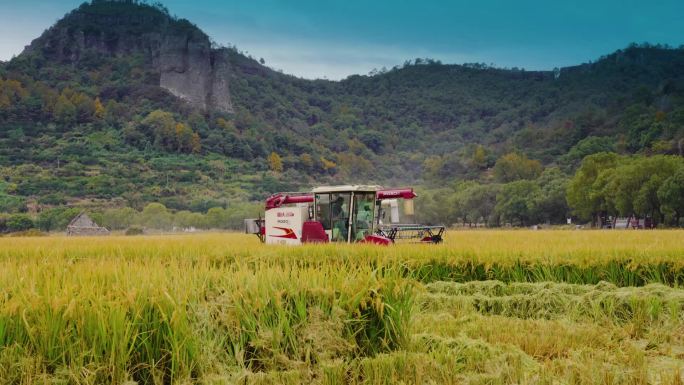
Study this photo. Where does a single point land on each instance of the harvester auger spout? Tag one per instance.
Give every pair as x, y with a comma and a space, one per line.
348, 214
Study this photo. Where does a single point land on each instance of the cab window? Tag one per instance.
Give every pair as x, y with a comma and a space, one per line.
364, 207
323, 210
339, 215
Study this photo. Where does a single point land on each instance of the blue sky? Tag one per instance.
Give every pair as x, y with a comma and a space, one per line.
333, 39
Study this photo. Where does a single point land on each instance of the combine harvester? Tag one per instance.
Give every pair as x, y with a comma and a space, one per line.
348, 214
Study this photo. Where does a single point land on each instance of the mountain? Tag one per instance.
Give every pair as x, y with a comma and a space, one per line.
119, 103
178, 54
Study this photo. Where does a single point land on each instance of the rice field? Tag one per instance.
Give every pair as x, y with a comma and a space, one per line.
485, 307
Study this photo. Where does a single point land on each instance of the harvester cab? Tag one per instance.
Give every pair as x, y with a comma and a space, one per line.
349, 214
346, 213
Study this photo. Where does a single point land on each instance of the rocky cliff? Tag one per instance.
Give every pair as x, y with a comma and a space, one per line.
178, 53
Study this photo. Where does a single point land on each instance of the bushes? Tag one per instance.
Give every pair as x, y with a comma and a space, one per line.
135, 230
19, 222
609, 184
153, 216
29, 233
56, 219
15, 223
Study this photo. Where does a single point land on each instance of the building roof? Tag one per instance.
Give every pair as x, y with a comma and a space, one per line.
82, 220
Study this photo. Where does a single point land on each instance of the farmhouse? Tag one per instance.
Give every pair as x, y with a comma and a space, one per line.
82, 224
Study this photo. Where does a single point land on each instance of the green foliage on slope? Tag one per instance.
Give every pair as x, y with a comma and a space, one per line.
97, 128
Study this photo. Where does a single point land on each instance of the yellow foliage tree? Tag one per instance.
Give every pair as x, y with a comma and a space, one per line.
11, 91
183, 138
479, 157
195, 144
162, 125
353, 165
85, 107
226, 125
15, 89
5, 102
328, 164
64, 111
275, 163
513, 166
433, 165
306, 160
100, 111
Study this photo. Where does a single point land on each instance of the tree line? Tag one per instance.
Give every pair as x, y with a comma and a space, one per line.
605, 185
521, 194
153, 216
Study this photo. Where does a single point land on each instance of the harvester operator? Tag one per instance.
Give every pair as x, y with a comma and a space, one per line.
340, 218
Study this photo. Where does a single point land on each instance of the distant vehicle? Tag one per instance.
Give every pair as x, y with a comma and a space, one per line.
348, 214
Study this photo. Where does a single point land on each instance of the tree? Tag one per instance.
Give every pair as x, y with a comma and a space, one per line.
328, 166
119, 219
217, 218
100, 110
115, 112
65, 111
516, 201
433, 166
646, 201
163, 128
479, 159
133, 136
633, 184
606, 184
195, 143
9, 203
671, 195
550, 203
183, 138
584, 195
275, 163
85, 107
156, 216
512, 167
306, 162
186, 219
237, 212
12, 93
352, 166
19, 222
434, 207
56, 218
373, 140
588, 146
474, 202
226, 125
5, 103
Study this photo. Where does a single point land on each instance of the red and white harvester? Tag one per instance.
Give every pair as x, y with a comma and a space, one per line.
352, 213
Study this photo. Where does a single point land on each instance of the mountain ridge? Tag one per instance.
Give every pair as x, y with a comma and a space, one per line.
188, 66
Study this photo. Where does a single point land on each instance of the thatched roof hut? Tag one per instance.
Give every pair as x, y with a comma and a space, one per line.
82, 224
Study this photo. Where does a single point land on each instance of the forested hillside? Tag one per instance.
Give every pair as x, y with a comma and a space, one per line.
120, 104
